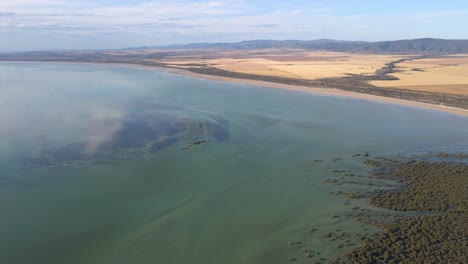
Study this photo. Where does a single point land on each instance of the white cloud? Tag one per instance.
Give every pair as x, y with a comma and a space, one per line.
69, 22
29, 3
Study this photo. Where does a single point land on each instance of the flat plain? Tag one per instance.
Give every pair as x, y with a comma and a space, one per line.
287, 63
442, 74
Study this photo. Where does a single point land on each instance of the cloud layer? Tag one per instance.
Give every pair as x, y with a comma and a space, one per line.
86, 24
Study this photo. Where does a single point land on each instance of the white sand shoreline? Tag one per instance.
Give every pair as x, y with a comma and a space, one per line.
320, 91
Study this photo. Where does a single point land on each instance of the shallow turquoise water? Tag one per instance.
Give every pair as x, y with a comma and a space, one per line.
237, 198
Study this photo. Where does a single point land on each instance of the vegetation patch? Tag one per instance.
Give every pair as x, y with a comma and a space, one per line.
435, 190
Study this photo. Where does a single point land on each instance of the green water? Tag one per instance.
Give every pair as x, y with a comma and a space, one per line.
238, 198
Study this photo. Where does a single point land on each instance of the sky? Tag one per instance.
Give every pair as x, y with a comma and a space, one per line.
110, 24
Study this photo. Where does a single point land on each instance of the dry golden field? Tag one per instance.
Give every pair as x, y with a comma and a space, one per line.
289, 63
448, 74
445, 75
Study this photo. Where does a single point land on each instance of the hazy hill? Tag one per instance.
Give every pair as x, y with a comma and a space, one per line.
412, 46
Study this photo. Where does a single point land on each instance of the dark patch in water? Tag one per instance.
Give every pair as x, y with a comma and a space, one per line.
160, 145
72, 151
217, 128
137, 134
111, 139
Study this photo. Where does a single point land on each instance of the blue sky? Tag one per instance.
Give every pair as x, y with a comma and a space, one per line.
99, 24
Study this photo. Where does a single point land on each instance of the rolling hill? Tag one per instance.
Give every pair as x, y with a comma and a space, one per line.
412, 46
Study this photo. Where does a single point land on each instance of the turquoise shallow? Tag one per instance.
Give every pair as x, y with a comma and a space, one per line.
107, 164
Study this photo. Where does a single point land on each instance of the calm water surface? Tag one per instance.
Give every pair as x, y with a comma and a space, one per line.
105, 164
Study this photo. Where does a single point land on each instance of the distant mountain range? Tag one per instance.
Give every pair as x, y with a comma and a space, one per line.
411, 46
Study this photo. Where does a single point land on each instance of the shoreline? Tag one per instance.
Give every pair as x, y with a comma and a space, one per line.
313, 90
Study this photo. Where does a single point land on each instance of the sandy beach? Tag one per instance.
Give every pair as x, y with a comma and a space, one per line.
315, 90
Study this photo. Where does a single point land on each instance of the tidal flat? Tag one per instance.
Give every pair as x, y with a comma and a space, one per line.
107, 164
426, 221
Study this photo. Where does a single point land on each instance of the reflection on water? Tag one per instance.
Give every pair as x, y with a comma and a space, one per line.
102, 164
135, 134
